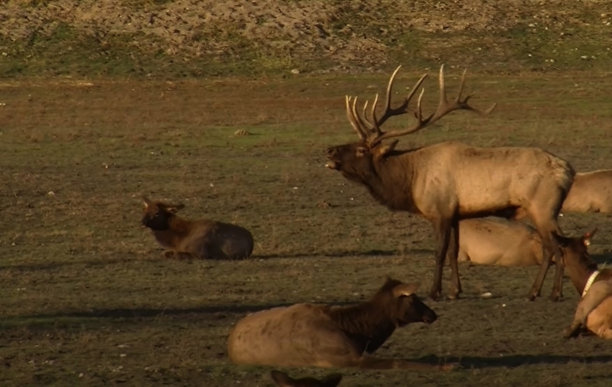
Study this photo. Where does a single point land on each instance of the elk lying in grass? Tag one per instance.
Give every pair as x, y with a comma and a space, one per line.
594, 311
590, 192
498, 241
283, 380
448, 181
205, 239
329, 336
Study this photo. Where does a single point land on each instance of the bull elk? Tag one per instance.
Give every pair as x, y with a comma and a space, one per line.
448, 181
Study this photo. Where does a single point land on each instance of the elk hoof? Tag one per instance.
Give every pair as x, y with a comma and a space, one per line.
555, 297
434, 295
453, 296
571, 332
532, 297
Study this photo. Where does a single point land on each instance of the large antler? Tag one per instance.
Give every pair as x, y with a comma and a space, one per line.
369, 130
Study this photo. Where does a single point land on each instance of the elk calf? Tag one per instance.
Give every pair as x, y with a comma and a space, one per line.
205, 239
329, 336
594, 311
590, 192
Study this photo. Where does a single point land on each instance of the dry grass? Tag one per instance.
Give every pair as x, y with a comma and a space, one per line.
88, 300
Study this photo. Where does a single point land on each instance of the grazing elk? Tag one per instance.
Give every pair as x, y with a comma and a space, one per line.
329, 336
594, 311
498, 241
590, 192
283, 380
448, 181
205, 239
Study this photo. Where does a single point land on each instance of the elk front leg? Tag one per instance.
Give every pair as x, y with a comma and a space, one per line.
443, 231
453, 251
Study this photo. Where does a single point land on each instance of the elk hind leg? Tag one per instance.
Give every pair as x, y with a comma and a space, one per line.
550, 248
452, 256
443, 231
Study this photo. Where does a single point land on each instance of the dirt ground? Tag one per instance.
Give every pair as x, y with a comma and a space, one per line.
228, 107
88, 299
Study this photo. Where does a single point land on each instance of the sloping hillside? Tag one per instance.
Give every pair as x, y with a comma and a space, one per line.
192, 38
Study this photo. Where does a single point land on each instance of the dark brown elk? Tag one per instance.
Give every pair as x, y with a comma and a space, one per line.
329, 336
590, 192
448, 181
594, 311
204, 239
283, 380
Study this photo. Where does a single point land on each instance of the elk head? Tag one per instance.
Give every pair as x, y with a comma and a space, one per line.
575, 252
356, 160
157, 215
406, 306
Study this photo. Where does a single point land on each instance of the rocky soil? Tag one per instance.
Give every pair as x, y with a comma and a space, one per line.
315, 34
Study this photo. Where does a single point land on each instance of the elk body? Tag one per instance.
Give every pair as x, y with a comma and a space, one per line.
498, 241
329, 336
449, 181
590, 192
594, 311
205, 239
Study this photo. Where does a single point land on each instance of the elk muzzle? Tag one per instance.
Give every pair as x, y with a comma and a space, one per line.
332, 158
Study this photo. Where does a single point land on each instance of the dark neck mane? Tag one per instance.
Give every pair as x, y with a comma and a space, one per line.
178, 228
580, 275
365, 324
391, 182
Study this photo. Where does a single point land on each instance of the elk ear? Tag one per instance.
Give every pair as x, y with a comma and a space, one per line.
404, 290
385, 149
175, 209
586, 239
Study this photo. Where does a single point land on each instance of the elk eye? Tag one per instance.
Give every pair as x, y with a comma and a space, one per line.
361, 151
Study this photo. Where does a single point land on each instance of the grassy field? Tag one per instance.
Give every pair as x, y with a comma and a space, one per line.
88, 300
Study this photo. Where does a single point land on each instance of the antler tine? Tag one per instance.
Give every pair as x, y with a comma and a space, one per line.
351, 116
363, 124
375, 125
401, 109
419, 112
444, 107
364, 113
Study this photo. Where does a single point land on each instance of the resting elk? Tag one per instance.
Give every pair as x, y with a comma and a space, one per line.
329, 336
205, 239
498, 241
590, 192
594, 311
448, 181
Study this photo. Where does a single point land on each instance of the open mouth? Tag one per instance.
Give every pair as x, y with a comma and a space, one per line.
332, 164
